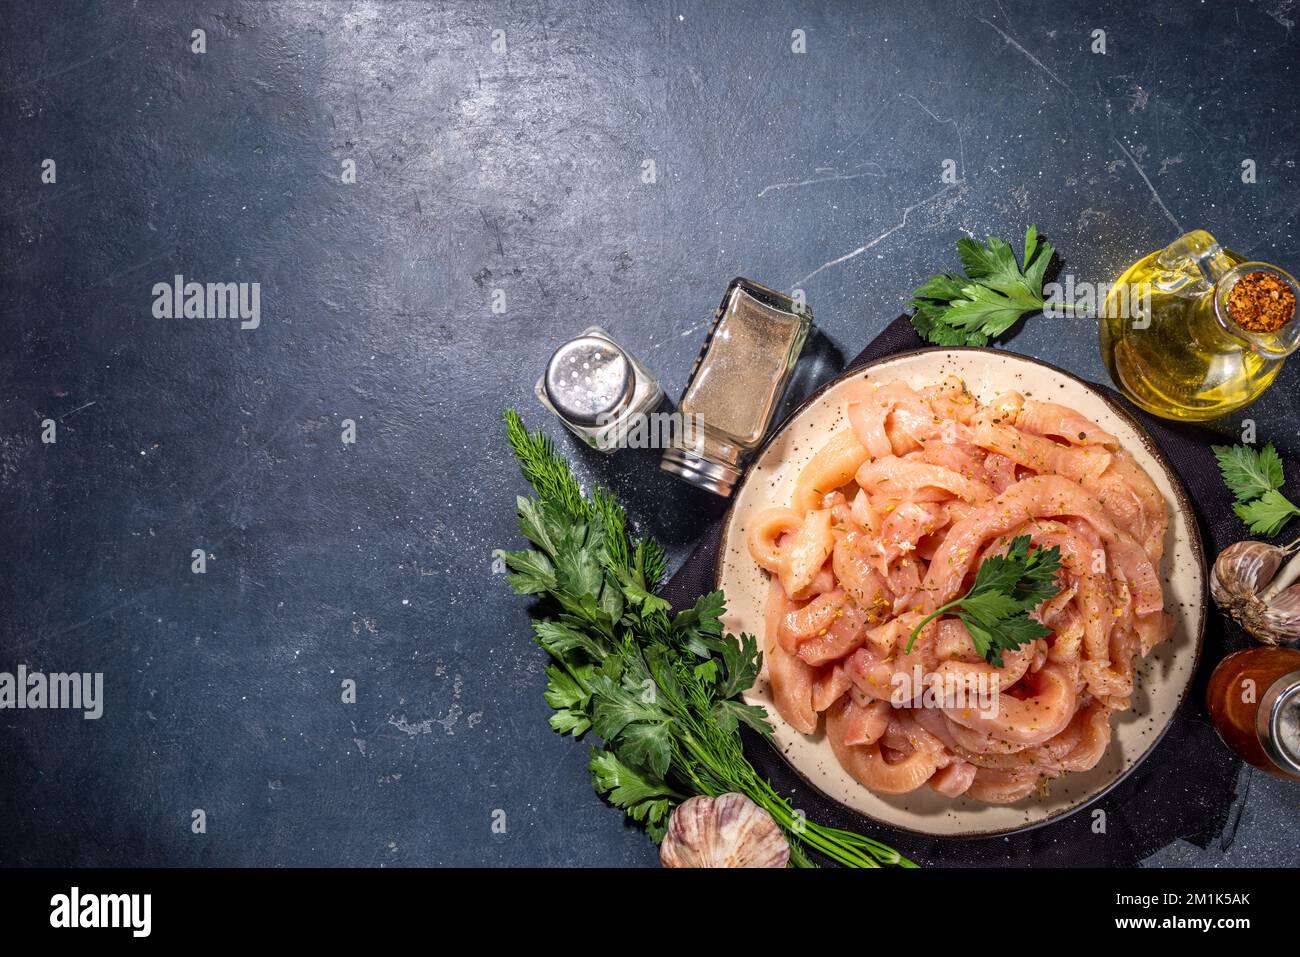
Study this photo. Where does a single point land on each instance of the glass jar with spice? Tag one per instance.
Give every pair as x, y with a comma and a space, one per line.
736, 384
1195, 331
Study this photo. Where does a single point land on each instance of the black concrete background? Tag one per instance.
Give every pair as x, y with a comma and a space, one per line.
479, 171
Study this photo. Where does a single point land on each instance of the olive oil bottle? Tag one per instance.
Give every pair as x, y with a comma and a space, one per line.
1195, 331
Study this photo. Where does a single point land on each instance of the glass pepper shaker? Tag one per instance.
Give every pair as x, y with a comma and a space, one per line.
736, 384
596, 387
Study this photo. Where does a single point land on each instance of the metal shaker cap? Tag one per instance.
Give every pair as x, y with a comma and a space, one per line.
1277, 722
589, 377
720, 478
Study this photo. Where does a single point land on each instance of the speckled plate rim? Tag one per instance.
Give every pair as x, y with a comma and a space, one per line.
1183, 501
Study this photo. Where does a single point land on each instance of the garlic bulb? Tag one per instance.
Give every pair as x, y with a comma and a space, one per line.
1246, 583
726, 831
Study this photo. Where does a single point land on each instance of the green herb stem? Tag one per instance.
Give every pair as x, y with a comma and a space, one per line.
660, 690
942, 610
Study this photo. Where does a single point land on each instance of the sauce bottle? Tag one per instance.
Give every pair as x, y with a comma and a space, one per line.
1195, 331
1254, 702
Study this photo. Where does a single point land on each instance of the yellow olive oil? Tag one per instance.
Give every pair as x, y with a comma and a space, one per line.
1170, 342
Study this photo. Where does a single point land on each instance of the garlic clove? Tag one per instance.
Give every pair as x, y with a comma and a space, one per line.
1282, 616
1246, 583
726, 831
1242, 571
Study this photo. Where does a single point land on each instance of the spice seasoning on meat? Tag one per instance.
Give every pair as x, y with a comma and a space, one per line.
1261, 302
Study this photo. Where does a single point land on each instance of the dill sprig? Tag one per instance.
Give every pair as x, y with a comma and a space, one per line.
661, 690
553, 481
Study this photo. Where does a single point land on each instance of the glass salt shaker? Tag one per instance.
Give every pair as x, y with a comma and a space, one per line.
737, 382
596, 387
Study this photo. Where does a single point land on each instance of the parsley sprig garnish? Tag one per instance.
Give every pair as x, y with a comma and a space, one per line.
1255, 479
660, 689
969, 309
1007, 588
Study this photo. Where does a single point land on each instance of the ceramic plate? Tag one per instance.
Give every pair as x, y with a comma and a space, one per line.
1162, 678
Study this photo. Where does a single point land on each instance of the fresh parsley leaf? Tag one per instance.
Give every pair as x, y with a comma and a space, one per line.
986, 312
982, 639
638, 597
650, 562
1255, 477
728, 713
695, 626
615, 706
1038, 570
567, 694
1037, 260
743, 663
1267, 514
1016, 631
944, 286
537, 525
584, 609
991, 262
954, 309
644, 797
707, 671
563, 690
660, 689
579, 569
560, 640
532, 570
566, 721
989, 607
612, 602
1248, 472
648, 745
1007, 588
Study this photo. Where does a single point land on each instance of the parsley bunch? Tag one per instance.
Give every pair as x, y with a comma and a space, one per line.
659, 689
956, 309
1255, 479
1007, 588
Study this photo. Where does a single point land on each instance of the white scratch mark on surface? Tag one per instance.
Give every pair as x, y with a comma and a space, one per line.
43, 80
693, 329
1159, 202
76, 410
1032, 59
879, 239
961, 143
830, 175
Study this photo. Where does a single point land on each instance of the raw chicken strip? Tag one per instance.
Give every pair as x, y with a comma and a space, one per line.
890, 520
